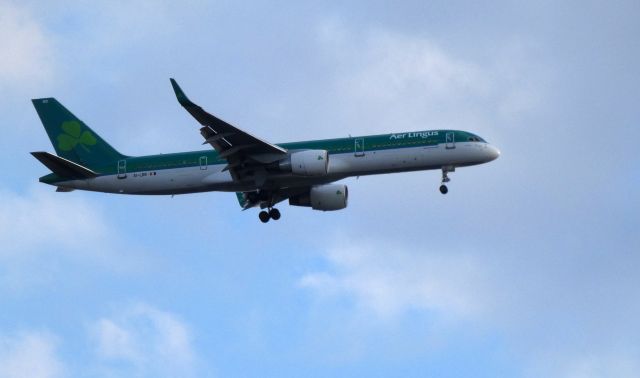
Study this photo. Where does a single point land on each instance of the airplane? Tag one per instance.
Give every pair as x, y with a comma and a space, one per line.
262, 174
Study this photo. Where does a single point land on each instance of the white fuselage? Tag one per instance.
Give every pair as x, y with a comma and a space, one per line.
214, 178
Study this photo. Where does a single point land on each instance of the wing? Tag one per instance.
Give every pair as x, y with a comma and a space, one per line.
244, 152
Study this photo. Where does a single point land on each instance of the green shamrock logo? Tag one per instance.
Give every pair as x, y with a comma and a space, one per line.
320, 157
73, 135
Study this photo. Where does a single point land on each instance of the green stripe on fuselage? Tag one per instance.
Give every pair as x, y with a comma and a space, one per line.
333, 146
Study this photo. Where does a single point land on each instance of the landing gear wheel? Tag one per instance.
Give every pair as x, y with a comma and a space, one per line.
264, 216
274, 214
445, 178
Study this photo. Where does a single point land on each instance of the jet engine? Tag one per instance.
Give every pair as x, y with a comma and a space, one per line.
323, 197
306, 163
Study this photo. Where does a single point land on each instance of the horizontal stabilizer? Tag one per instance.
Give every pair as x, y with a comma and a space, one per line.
63, 167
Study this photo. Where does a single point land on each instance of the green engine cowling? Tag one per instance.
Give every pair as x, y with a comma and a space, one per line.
306, 163
323, 197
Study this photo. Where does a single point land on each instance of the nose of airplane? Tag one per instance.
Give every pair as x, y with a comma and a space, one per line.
492, 153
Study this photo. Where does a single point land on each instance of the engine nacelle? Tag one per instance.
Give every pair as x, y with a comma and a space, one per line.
307, 163
323, 197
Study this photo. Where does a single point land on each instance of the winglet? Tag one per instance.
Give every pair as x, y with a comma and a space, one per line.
182, 98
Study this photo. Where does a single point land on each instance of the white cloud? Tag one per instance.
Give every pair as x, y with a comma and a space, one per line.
111, 27
40, 228
385, 79
521, 80
114, 341
549, 315
590, 365
397, 67
43, 218
149, 341
28, 58
389, 280
29, 354
140, 341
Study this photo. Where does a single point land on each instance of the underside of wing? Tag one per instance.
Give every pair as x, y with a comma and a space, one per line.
244, 152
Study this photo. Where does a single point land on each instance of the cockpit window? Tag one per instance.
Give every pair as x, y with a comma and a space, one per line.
475, 138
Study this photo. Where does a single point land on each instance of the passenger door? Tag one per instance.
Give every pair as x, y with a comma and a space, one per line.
122, 169
359, 147
450, 140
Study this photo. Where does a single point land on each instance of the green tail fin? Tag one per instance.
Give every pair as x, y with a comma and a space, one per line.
72, 138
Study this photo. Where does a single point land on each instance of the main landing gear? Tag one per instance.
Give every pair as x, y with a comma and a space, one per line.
272, 213
446, 179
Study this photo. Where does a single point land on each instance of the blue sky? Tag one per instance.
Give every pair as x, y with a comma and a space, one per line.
527, 268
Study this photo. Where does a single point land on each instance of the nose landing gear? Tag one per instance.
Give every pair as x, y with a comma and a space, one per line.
445, 178
272, 213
